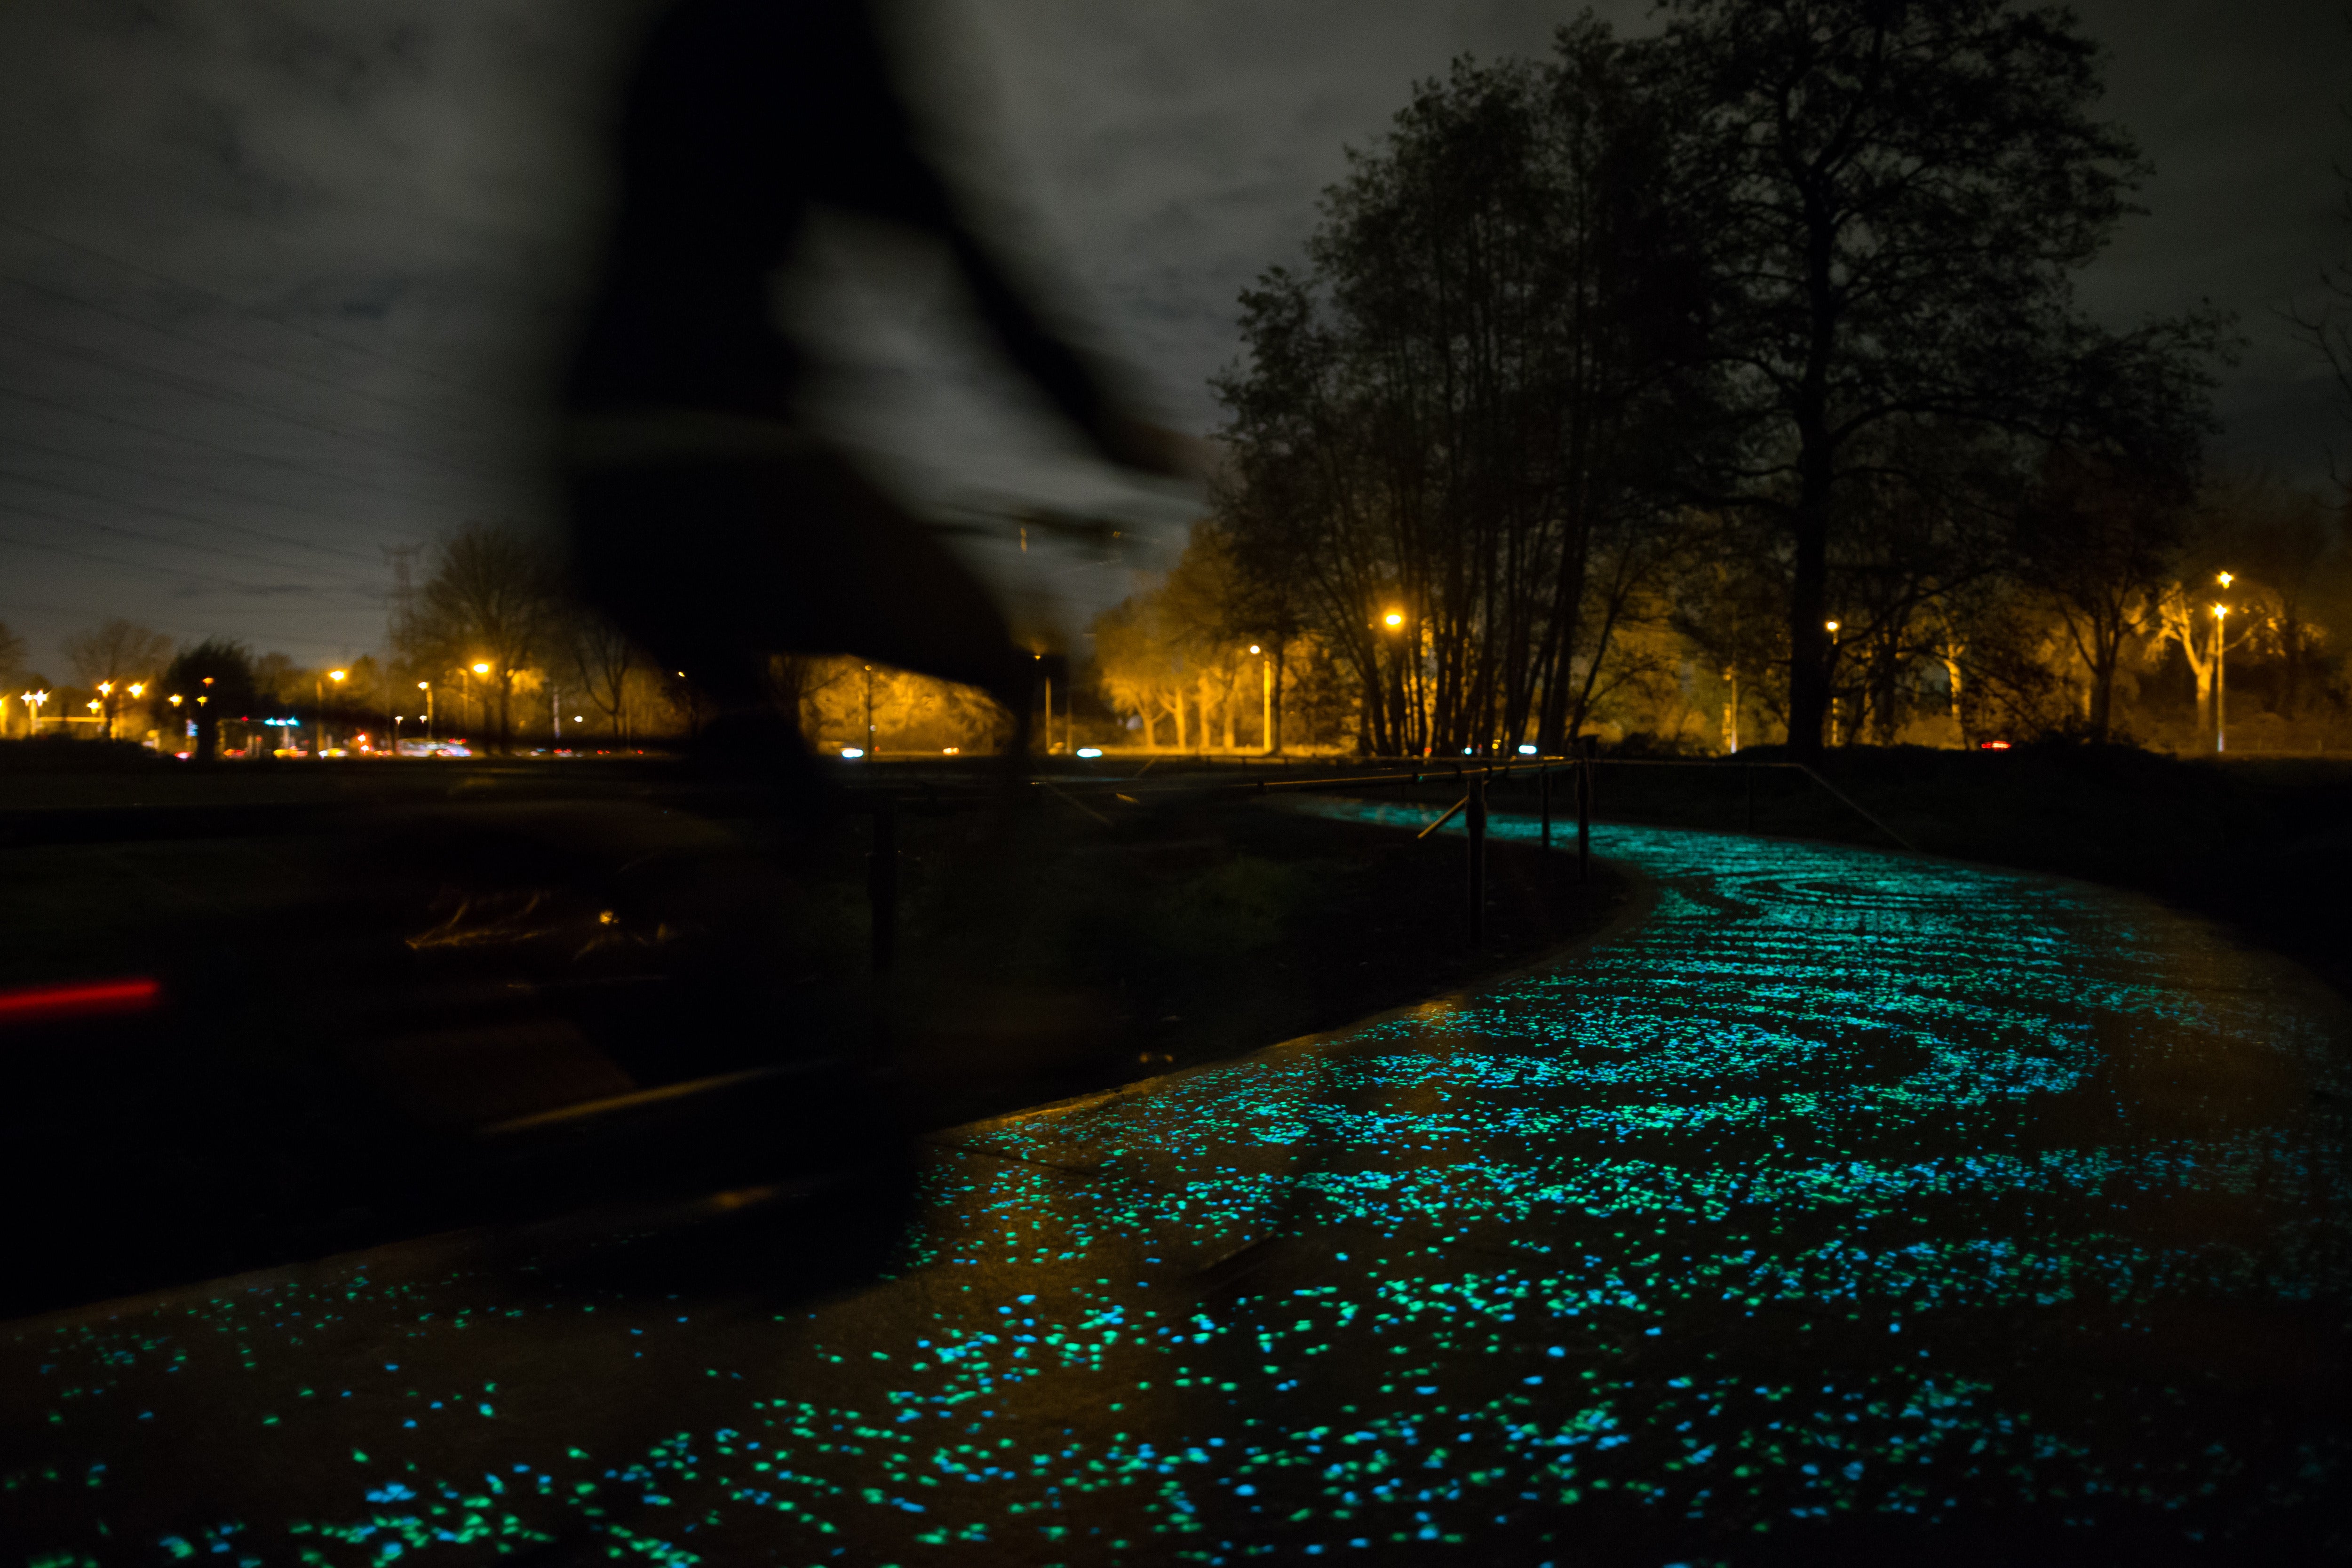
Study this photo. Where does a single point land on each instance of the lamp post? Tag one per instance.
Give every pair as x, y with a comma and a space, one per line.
1393, 622
427, 687
2221, 667
1833, 628
482, 669
1049, 713
1266, 683
2220, 679
319, 730
106, 709
33, 701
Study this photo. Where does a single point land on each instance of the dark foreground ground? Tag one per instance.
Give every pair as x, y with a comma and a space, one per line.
388, 990
1835, 1206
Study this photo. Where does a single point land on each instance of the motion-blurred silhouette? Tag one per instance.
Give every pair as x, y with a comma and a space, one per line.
707, 522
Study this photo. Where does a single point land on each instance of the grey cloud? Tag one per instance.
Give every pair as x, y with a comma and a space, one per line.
394, 197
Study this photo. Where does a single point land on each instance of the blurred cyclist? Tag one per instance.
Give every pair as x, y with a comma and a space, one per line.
706, 522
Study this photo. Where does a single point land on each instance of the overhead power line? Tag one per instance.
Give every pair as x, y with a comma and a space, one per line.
164, 540
112, 465
276, 367
142, 565
185, 516
200, 389
181, 436
254, 311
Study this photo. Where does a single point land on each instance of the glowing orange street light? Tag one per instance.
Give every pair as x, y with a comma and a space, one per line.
1393, 620
481, 670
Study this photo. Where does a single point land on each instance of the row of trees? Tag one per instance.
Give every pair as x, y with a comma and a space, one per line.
2120, 642
490, 649
1203, 663
1757, 325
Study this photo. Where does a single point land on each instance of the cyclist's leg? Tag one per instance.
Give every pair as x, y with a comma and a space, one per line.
715, 567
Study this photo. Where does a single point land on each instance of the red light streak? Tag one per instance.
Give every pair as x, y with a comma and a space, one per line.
37, 1003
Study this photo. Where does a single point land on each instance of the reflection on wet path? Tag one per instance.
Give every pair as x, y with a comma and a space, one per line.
1840, 1195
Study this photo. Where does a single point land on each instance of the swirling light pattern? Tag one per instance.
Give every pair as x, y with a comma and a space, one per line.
1840, 1197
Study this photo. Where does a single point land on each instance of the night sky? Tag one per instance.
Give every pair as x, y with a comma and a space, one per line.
279, 283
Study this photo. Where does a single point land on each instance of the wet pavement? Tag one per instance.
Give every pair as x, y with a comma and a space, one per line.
1835, 1203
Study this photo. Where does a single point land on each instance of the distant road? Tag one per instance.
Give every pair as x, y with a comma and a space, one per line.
1841, 1200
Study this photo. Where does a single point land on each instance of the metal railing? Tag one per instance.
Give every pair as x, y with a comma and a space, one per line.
1474, 777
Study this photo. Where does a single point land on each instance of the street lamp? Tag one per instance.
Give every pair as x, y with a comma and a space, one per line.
427, 687
1393, 620
33, 701
482, 669
319, 728
2221, 666
2221, 675
1265, 677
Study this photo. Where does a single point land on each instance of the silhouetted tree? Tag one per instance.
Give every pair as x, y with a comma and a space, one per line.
491, 598
11, 663
1896, 196
1464, 404
117, 656
2326, 322
2097, 547
214, 680
602, 656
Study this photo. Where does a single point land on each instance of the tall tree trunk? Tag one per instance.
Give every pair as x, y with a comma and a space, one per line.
1808, 642
1810, 653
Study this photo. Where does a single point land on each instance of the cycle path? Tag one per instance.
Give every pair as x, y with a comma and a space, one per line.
1839, 1201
